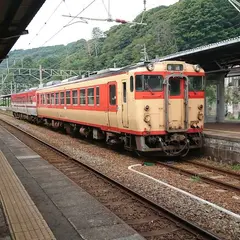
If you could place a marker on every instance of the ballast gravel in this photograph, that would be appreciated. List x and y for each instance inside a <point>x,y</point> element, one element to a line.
<point>115,165</point>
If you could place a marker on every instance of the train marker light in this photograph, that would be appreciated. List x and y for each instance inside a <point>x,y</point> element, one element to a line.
<point>197,68</point>
<point>150,67</point>
<point>146,108</point>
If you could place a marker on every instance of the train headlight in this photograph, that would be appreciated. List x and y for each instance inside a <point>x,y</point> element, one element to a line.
<point>197,68</point>
<point>147,118</point>
<point>200,107</point>
<point>150,67</point>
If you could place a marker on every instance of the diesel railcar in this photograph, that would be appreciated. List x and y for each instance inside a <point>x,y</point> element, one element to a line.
<point>152,107</point>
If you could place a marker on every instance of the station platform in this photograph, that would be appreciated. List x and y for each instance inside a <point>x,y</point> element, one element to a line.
<point>40,202</point>
<point>228,129</point>
<point>222,141</point>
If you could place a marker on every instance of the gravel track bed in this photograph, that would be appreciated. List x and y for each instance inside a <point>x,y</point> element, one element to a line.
<point>227,199</point>
<point>115,165</point>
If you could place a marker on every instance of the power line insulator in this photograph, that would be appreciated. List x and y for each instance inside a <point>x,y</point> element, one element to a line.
<point>121,21</point>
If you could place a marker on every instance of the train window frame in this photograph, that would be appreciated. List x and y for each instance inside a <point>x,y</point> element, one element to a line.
<point>52,99</point>
<point>57,98</point>
<point>112,94</point>
<point>68,97</point>
<point>131,84</point>
<point>124,91</point>
<point>74,98</point>
<point>41,98</point>
<point>97,95</point>
<point>191,87</point>
<point>82,97</point>
<point>146,87</point>
<point>92,97</point>
<point>176,93</point>
<point>48,98</point>
<point>62,98</point>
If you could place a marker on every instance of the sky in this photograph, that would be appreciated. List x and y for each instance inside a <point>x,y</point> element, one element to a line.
<point>123,9</point>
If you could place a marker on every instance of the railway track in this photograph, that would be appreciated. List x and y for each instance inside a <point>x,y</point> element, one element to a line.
<point>225,179</point>
<point>148,218</point>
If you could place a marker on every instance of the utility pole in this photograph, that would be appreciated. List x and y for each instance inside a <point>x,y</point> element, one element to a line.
<point>40,75</point>
<point>144,51</point>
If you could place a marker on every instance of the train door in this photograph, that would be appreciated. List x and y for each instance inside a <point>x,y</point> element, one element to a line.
<point>176,103</point>
<point>125,121</point>
<point>112,104</point>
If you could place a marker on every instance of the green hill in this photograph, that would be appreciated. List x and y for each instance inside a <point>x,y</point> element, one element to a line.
<point>184,25</point>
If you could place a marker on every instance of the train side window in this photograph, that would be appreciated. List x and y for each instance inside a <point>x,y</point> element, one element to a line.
<point>82,97</point>
<point>90,94</point>
<point>97,96</point>
<point>131,84</point>
<point>139,83</point>
<point>124,85</point>
<point>48,98</point>
<point>45,99</point>
<point>52,98</point>
<point>74,97</point>
<point>68,97</point>
<point>112,94</point>
<point>62,98</point>
<point>57,98</point>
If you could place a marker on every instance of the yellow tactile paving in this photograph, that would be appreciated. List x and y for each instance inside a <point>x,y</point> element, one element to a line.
<point>24,219</point>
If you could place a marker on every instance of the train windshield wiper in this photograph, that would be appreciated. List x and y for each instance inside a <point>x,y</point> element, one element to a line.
<point>147,87</point>
<point>192,87</point>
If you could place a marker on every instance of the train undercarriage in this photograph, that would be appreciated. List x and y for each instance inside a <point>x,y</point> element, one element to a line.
<point>171,144</point>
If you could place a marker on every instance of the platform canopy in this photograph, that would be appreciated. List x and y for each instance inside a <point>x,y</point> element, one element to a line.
<point>216,57</point>
<point>15,15</point>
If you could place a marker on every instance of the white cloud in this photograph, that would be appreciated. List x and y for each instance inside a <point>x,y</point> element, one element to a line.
<point>124,9</point>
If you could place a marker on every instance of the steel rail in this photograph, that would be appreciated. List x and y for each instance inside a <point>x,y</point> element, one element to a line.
<point>204,178</point>
<point>183,223</point>
<point>223,171</point>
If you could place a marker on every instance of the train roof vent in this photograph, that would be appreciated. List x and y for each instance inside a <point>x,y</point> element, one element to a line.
<point>108,70</point>
<point>52,83</point>
<point>70,79</point>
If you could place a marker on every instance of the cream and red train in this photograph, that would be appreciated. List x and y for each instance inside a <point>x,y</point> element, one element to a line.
<point>148,107</point>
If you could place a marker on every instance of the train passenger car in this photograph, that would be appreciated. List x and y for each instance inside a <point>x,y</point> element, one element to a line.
<point>148,107</point>
<point>24,105</point>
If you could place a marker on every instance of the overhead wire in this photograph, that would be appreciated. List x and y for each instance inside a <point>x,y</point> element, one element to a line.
<point>107,10</point>
<point>46,22</point>
<point>73,18</point>
<point>66,6</point>
<point>235,4</point>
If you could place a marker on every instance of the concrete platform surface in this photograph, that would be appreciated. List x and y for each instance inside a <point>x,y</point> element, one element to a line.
<point>222,142</point>
<point>69,211</point>
<point>227,131</point>
<point>24,219</point>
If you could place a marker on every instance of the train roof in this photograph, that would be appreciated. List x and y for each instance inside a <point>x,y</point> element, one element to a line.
<point>97,74</point>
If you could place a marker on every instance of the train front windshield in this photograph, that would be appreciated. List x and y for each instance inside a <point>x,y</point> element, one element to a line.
<point>196,83</point>
<point>149,82</point>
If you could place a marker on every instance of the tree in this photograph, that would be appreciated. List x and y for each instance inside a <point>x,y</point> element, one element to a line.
<point>97,35</point>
